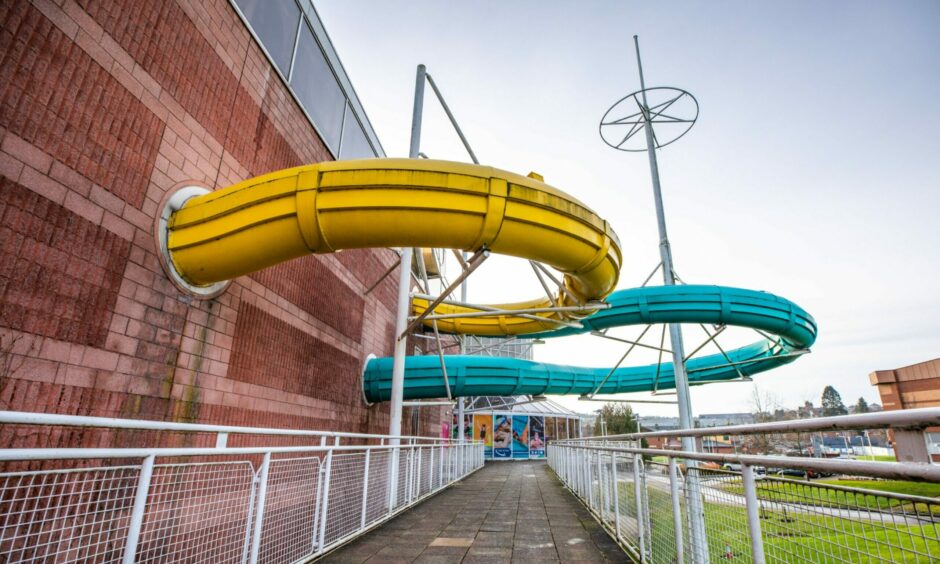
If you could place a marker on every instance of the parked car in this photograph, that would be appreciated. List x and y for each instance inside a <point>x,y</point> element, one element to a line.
<point>735,467</point>
<point>802,473</point>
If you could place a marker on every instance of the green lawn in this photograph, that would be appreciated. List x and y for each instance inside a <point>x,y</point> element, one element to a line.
<point>877,458</point>
<point>923,489</point>
<point>796,491</point>
<point>793,536</point>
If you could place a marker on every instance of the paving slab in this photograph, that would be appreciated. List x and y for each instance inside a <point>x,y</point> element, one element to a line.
<point>505,512</point>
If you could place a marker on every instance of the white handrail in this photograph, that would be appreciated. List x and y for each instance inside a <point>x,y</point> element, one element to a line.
<point>28,418</point>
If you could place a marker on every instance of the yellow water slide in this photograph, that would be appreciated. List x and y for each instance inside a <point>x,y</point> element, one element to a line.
<point>332,206</point>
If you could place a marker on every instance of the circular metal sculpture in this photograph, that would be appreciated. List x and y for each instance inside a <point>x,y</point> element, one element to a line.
<point>670,113</point>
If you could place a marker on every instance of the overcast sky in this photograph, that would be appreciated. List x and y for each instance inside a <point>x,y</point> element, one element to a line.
<point>813,172</point>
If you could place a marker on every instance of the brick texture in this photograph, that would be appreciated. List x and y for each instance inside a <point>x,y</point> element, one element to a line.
<point>60,273</point>
<point>55,96</point>
<point>166,44</point>
<point>303,364</point>
<point>308,283</point>
<point>103,108</point>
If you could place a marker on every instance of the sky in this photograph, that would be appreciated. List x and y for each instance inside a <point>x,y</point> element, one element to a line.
<point>813,171</point>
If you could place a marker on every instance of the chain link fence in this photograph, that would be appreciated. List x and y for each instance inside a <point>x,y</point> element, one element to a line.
<point>751,508</point>
<point>220,504</point>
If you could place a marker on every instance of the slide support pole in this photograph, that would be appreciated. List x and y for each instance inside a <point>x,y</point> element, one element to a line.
<point>404,301</point>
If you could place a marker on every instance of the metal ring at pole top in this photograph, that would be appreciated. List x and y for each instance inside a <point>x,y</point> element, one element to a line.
<point>669,110</point>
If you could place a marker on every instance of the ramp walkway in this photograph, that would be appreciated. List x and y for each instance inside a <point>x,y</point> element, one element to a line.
<point>505,512</point>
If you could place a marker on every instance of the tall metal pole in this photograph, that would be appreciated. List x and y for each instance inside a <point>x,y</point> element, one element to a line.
<point>463,350</point>
<point>404,301</point>
<point>696,515</point>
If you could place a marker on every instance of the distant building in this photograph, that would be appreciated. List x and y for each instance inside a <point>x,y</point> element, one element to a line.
<point>909,387</point>
<point>722,419</point>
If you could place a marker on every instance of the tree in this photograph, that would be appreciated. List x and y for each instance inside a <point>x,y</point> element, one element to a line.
<point>619,418</point>
<point>861,406</point>
<point>764,403</point>
<point>832,403</point>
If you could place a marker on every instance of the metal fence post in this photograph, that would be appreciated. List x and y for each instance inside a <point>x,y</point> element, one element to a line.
<point>316,507</point>
<point>259,507</point>
<point>325,507</point>
<point>640,517</point>
<point>676,508</point>
<point>602,497</point>
<point>365,490</point>
<point>410,482</point>
<point>417,482</point>
<point>753,514</point>
<point>615,492</point>
<point>137,513</point>
<point>393,478</point>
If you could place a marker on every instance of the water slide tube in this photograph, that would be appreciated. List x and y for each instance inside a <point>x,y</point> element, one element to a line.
<point>792,330</point>
<point>338,205</point>
<point>328,207</point>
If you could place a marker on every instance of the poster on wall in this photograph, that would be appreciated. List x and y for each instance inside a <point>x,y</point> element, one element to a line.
<point>483,431</point>
<point>520,436</point>
<point>536,436</point>
<point>468,426</point>
<point>502,436</point>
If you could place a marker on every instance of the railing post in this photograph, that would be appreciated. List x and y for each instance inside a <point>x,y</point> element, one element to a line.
<point>365,490</point>
<point>316,507</point>
<point>137,513</point>
<point>640,517</point>
<point>753,514</point>
<point>602,500</point>
<point>417,482</point>
<point>589,477</point>
<point>410,482</point>
<point>431,487</point>
<point>259,507</point>
<point>676,508</point>
<point>325,507</point>
<point>616,493</point>
<point>393,472</point>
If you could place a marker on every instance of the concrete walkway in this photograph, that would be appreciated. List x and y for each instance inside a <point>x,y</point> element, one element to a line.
<point>505,512</point>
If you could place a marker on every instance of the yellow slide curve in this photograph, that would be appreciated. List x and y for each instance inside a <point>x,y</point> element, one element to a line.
<point>338,205</point>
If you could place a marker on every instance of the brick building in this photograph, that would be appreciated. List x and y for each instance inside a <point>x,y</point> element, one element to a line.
<point>103,110</point>
<point>909,387</point>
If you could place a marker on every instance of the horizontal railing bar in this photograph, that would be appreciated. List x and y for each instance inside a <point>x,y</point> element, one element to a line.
<point>7,455</point>
<point>28,418</point>
<point>919,472</point>
<point>919,418</point>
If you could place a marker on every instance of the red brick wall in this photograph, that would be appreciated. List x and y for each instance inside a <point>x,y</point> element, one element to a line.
<point>103,109</point>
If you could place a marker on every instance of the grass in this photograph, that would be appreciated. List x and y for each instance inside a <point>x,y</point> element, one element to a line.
<point>923,489</point>
<point>814,538</point>
<point>877,457</point>
<point>798,492</point>
<point>790,535</point>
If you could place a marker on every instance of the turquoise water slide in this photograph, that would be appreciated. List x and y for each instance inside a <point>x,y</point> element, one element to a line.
<point>789,330</point>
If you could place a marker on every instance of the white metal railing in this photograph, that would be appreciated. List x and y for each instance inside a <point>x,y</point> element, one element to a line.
<point>747,513</point>
<point>215,503</point>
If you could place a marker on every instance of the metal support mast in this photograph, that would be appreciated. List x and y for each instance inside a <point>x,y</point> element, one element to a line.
<point>700,550</point>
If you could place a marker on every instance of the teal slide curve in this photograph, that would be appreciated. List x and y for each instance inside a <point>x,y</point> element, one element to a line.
<point>790,331</point>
